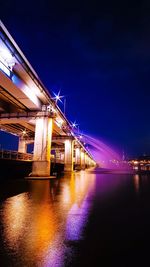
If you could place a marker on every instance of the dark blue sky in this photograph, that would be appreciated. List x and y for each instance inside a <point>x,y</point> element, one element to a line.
<point>99,55</point>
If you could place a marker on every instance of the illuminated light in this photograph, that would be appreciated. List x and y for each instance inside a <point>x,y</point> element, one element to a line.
<point>82,159</point>
<point>74,124</point>
<point>53,109</point>
<point>38,229</point>
<point>24,132</point>
<point>6,55</point>
<point>66,194</point>
<point>30,94</point>
<point>135,162</point>
<point>7,61</point>
<point>136,182</point>
<point>68,155</point>
<point>80,136</point>
<point>50,108</point>
<point>15,213</point>
<point>5,69</point>
<point>58,97</point>
<point>59,122</point>
<point>26,90</point>
<point>75,224</point>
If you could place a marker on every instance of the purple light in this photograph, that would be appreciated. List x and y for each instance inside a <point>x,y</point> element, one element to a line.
<point>76,219</point>
<point>104,155</point>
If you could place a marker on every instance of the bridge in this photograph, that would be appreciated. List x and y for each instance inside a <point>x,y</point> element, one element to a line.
<point>28,111</point>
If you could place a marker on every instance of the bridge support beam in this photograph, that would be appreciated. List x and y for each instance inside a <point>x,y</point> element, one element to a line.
<point>78,158</point>
<point>42,147</point>
<point>86,160</point>
<point>89,162</point>
<point>68,155</point>
<point>82,160</point>
<point>22,145</point>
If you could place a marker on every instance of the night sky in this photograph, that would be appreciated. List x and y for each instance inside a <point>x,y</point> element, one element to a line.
<point>98,54</point>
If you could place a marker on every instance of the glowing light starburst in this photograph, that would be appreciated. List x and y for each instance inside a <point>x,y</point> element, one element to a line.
<point>57,97</point>
<point>74,124</point>
<point>24,132</point>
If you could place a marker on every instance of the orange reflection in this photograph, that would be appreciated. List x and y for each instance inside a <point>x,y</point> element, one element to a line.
<point>37,223</point>
<point>76,188</point>
<point>136,182</point>
<point>15,213</point>
<point>43,220</point>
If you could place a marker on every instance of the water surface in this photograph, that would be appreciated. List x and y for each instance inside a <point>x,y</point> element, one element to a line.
<point>81,219</point>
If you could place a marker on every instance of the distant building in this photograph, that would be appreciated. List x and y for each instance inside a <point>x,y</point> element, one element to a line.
<point>141,163</point>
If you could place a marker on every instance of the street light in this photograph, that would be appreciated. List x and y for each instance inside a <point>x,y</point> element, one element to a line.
<point>74,124</point>
<point>58,97</point>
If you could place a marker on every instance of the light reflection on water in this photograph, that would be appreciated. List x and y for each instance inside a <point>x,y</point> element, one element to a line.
<point>136,180</point>
<point>38,224</point>
<point>45,226</point>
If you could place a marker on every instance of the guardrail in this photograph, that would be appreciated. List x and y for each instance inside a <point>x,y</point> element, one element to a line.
<point>15,155</point>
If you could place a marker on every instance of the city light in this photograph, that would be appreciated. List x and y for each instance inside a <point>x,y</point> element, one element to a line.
<point>24,132</point>
<point>58,97</point>
<point>6,56</point>
<point>74,124</point>
<point>59,122</point>
<point>4,69</point>
<point>6,61</point>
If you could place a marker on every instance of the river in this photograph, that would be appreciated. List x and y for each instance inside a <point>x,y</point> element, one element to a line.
<point>86,218</point>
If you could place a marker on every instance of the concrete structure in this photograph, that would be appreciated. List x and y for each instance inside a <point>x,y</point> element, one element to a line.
<point>78,157</point>
<point>28,111</point>
<point>69,143</point>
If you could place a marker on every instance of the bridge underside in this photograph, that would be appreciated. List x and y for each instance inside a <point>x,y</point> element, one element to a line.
<point>28,111</point>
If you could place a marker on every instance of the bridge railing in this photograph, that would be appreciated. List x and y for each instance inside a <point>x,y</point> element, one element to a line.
<point>15,155</point>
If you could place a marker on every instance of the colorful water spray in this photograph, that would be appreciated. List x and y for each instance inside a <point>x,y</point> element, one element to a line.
<point>105,156</point>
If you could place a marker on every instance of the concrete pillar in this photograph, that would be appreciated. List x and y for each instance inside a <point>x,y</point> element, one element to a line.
<point>82,160</point>
<point>59,156</point>
<point>89,163</point>
<point>22,146</point>
<point>78,158</point>
<point>68,155</point>
<point>62,157</point>
<point>86,160</point>
<point>42,147</point>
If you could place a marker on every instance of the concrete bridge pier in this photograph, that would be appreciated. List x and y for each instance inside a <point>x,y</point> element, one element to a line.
<point>89,162</point>
<point>78,158</point>
<point>69,145</point>
<point>22,145</point>
<point>42,147</point>
<point>86,161</point>
<point>82,159</point>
